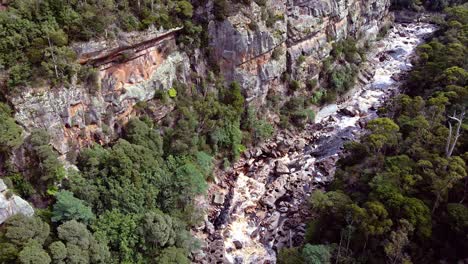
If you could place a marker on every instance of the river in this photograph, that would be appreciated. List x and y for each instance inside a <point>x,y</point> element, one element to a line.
<point>261,205</point>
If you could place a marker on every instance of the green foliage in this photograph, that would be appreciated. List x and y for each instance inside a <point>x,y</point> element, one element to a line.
<point>121,232</point>
<point>67,207</point>
<point>172,92</point>
<point>258,129</point>
<point>33,253</point>
<point>317,97</point>
<point>290,256</point>
<point>294,85</point>
<point>10,132</point>
<point>294,112</point>
<point>125,177</point>
<point>301,59</point>
<point>400,187</point>
<point>458,214</point>
<point>58,251</point>
<point>157,230</point>
<point>233,96</point>
<point>173,255</point>
<point>314,254</point>
<point>343,78</point>
<point>143,134</point>
<point>277,53</point>
<point>20,229</point>
<point>220,9</point>
<point>50,168</point>
<point>311,84</point>
<point>384,132</point>
<point>262,130</point>
<point>81,245</point>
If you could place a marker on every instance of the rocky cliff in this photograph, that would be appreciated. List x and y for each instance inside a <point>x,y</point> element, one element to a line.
<point>129,71</point>
<point>259,44</point>
<point>255,45</point>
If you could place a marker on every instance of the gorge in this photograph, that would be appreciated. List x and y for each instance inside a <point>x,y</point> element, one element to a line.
<point>233,131</point>
<point>266,195</point>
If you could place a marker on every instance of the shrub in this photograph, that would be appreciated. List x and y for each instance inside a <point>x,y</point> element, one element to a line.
<point>172,92</point>
<point>294,112</point>
<point>317,97</point>
<point>67,207</point>
<point>277,53</point>
<point>262,130</point>
<point>311,84</point>
<point>294,85</point>
<point>220,9</point>
<point>273,100</point>
<point>301,59</point>
<point>342,79</point>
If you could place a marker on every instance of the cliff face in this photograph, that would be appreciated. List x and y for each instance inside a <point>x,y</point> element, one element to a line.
<point>78,115</point>
<point>255,46</point>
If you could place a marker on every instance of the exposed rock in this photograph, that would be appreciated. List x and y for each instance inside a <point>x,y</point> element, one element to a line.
<point>77,115</point>
<point>281,168</point>
<point>3,186</point>
<point>219,198</point>
<point>349,111</point>
<point>209,227</point>
<point>11,204</point>
<point>237,244</point>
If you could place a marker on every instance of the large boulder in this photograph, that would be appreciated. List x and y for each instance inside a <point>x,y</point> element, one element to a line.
<point>11,204</point>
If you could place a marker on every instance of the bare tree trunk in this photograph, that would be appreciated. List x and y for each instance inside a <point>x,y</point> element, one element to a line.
<point>53,57</point>
<point>449,139</point>
<point>339,248</point>
<point>464,190</point>
<point>459,121</point>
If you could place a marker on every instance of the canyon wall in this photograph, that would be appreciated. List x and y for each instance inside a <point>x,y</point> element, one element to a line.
<point>259,44</point>
<point>128,73</point>
<point>254,45</point>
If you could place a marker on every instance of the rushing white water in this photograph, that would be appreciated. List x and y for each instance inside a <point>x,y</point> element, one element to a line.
<point>397,47</point>
<point>256,227</point>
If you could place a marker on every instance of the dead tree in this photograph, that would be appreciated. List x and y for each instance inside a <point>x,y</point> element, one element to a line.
<point>452,139</point>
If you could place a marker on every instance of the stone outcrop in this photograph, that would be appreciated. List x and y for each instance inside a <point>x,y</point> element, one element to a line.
<point>257,45</point>
<point>78,115</point>
<point>11,204</point>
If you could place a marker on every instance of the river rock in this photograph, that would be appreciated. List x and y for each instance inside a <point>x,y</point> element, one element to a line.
<point>237,244</point>
<point>209,227</point>
<point>349,111</point>
<point>300,144</point>
<point>219,198</point>
<point>281,168</point>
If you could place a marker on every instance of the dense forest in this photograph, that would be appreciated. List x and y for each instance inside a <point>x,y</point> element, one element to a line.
<point>133,198</point>
<point>400,194</point>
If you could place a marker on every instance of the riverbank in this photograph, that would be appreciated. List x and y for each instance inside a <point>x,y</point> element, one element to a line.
<point>260,205</point>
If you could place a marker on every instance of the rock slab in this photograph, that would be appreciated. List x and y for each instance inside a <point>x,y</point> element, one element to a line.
<point>11,204</point>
